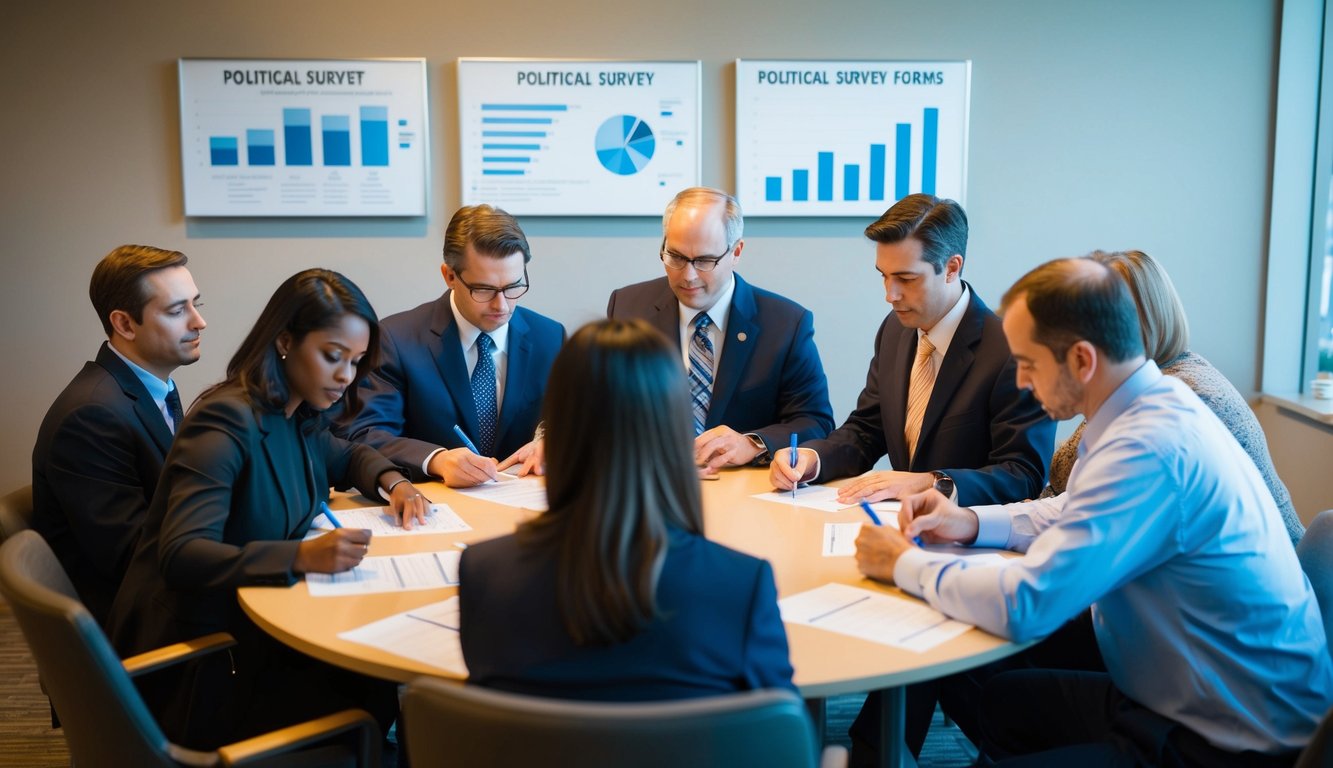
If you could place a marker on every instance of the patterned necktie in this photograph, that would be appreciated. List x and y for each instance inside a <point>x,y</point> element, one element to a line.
<point>175,409</point>
<point>918,394</point>
<point>701,371</point>
<point>483,395</point>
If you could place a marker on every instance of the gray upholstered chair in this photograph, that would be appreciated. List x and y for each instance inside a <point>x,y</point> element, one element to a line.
<point>104,718</point>
<point>476,727</point>
<point>15,512</point>
<point>1316,555</point>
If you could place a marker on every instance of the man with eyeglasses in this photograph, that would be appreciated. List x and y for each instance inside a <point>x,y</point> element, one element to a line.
<point>749,354</point>
<point>471,359</point>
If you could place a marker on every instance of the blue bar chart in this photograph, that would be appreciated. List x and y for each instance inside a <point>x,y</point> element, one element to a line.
<point>572,137</point>
<point>869,133</point>
<point>356,147</point>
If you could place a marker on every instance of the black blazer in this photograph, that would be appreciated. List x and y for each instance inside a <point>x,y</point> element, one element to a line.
<point>421,388</point>
<point>226,517</point>
<point>770,381</point>
<point>95,466</point>
<point>992,438</point>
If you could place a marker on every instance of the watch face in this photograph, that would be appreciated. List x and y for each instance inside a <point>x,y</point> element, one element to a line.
<point>944,484</point>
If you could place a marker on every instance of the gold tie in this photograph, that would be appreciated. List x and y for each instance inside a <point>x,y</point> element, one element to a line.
<point>923,380</point>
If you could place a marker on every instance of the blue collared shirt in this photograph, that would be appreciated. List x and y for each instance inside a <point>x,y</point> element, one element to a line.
<point>1200,607</point>
<point>157,388</point>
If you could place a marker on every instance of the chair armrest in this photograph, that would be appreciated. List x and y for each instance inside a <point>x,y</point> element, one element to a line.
<point>303,734</point>
<point>175,653</point>
<point>834,756</point>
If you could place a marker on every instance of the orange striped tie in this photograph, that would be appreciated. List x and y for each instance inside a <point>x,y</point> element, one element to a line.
<point>918,394</point>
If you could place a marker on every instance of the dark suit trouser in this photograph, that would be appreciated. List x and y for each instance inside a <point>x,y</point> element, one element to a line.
<point>1038,718</point>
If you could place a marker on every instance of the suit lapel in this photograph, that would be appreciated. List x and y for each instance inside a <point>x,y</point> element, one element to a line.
<point>666,315</point>
<point>448,354</point>
<point>516,393</point>
<point>895,374</point>
<point>269,424</point>
<point>742,336</point>
<point>144,407</point>
<point>953,370</point>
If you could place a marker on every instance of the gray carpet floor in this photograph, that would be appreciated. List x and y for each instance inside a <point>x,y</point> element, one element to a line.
<point>945,747</point>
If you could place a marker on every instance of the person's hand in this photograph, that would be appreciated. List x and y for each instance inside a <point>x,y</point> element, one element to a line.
<point>461,468</point>
<point>936,519</point>
<point>878,548</point>
<point>341,549</point>
<point>531,459</point>
<point>878,486</point>
<point>723,447</point>
<point>409,505</point>
<point>783,476</point>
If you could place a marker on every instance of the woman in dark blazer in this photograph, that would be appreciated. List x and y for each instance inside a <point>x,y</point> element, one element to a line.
<point>248,471</point>
<point>614,593</point>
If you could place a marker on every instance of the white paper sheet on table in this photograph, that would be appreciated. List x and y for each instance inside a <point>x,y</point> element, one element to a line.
<point>886,619</point>
<point>825,499</point>
<point>523,492</point>
<point>840,539</point>
<point>440,518</point>
<point>428,635</point>
<point>426,570</point>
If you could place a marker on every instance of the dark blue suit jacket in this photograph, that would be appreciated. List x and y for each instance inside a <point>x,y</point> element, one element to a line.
<point>720,630</point>
<point>94,470</point>
<point>770,381</point>
<point>992,438</point>
<point>421,388</point>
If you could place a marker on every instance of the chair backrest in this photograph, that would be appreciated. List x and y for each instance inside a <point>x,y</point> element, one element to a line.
<point>1319,752</point>
<point>1315,551</point>
<point>105,720</point>
<point>15,512</point>
<point>466,725</point>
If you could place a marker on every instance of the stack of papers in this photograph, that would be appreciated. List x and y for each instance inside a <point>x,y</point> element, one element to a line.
<point>428,635</point>
<point>874,616</point>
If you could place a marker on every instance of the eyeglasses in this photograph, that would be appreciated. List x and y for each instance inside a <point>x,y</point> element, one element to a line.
<point>700,263</point>
<point>485,293</point>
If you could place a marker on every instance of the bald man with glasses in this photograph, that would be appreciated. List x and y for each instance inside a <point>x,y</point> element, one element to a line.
<point>467,370</point>
<point>749,355</point>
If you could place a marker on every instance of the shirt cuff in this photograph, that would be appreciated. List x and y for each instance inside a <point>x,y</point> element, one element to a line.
<point>425,465</point>
<point>911,570</point>
<point>993,526</point>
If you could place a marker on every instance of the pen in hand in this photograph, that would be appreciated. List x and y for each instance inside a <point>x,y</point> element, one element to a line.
<point>797,481</point>
<point>328,513</point>
<point>874,518</point>
<point>466,442</point>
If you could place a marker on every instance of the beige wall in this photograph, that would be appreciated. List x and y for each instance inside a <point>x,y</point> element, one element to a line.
<point>1141,123</point>
<point>1301,451</point>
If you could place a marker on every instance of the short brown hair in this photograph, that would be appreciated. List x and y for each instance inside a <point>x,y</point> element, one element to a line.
<point>118,284</point>
<point>1166,331</point>
<point>940,225</point>
<point>490,231</point>
<point>1074,300</point>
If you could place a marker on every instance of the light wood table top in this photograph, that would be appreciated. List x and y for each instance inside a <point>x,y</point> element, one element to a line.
<point>790,538</point>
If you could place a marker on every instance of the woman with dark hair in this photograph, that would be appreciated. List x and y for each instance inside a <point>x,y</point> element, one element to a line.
<point>249,469</point>
<point>614,593</point>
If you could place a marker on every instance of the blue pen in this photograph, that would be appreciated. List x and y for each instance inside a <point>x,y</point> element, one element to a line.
<point>462,436</point>
<point>793,464</point>
<point>324,507</point>
<point>874,518</point>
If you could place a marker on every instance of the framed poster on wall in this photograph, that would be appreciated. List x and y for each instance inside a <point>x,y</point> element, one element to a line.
<point>560,137</point>
<point>848,138</point>
<point>304,137</point>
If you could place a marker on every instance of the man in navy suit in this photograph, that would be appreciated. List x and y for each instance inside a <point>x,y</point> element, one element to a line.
<point>941,400</point>
<point>471,359</point>
<point>750,354</point>
<point>101,446</point>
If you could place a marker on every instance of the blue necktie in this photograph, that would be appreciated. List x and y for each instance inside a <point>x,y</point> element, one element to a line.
<point>701,371</point>
<point>175,409</point>
<point>483,395</point>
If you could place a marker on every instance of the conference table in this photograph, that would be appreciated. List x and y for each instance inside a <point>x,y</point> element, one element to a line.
<point>788,536</point>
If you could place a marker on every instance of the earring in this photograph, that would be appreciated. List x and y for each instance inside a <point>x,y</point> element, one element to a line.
<point>283,356</point>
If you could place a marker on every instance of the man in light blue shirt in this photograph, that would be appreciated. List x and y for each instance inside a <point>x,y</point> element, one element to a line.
<point>1212,637</point>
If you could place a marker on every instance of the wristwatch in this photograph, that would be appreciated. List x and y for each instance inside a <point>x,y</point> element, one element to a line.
<point>763,457</point>
<point>943,483</point>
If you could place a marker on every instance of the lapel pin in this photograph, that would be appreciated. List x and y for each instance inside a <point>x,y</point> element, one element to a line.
<point>741,336</point>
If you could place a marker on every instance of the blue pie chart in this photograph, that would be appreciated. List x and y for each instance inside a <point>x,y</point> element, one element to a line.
<point>625,144</point>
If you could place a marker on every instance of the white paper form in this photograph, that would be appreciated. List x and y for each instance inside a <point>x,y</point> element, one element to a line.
<point>428,635</point>
<point>825,499</point>
<point>523,492</point>
<point>426,570</point>
<point>381,521</point>
<point>840,539</point>
<point>873,616</point>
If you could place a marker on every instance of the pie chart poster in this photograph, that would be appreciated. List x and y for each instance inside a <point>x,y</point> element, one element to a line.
<point>547,137</point>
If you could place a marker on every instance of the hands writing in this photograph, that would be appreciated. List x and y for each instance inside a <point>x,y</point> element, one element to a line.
<point>461,468</point>
<point>928,515</point>
<point>783,476</point>
<point>336,551</point>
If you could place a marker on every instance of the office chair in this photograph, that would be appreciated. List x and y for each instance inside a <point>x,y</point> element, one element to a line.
<point>1315,552</point>
<point>105,720</point>
<point>467,725</point>
<point>1319,752</point>
<point>15,512</point>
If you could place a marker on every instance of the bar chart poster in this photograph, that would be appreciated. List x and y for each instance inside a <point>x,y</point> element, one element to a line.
<point>848,138</point>
<point>286,137</point>
<point>548,137</point>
